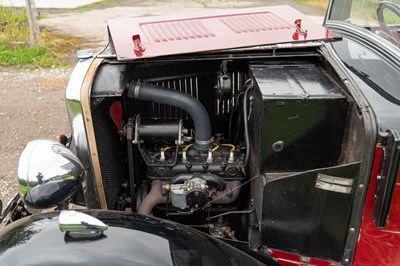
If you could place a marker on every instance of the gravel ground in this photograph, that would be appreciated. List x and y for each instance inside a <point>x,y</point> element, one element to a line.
<point>32,102</point>
<point>32,106</point>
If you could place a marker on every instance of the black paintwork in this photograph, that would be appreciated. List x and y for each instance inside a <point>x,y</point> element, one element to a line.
<point>305,111</point>
<point>131,239</point>
<point>299,217</point>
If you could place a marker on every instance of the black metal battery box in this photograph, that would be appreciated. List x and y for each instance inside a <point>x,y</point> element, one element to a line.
<point>303,118</point>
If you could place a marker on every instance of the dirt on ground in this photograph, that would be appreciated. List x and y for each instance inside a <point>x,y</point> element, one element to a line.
<point>32,104</point>
<point>31,107</point>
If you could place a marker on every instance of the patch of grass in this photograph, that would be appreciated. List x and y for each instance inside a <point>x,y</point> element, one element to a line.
<point>15,51</point>
<point>390,17</point>
<point>14,26</point>
<point>12,15</point>
<point>55,51</point>
<point>101,4</point>
<point>205,3</point>
<point>322,4</point>
<point>62,48</point>
<point>366,10</point>
<point>92,5</point>
<point>96,5</point>
<point>24,56</point>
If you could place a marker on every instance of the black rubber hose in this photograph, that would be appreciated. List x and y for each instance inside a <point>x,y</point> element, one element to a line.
<point>246,126</point>
<point>147,92</point>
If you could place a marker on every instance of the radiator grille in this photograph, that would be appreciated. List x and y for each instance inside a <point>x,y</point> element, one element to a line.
<point>110,151</point>
<point>189,85</point>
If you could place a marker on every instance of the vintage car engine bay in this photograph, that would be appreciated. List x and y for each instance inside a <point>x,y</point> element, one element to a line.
<point>243,124</point>
<point>234,147</point>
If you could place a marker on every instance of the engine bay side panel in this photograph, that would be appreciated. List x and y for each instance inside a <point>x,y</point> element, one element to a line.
<point>303,215</point>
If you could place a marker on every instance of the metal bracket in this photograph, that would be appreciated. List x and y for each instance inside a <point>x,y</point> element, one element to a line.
<point>334,183</point>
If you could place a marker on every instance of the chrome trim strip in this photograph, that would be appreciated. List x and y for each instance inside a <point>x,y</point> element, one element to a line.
<point>73,91</point>
<point>87,114</point>
<point>334,183</point>
<point>79,142</point>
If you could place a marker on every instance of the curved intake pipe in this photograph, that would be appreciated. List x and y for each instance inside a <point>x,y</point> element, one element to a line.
<point>154,197</point>
<point>147,92</point>
<point>229,194</point>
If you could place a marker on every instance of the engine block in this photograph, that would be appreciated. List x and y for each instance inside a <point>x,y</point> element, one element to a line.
<point>220,162</point>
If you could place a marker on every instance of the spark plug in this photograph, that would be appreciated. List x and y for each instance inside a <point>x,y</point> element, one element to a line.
<point>162,155</point>
<point>231,158</point>
<point>210,157</point>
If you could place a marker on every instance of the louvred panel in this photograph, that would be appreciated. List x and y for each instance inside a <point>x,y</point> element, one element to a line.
<point>161,36</point>
<point>176,31</point>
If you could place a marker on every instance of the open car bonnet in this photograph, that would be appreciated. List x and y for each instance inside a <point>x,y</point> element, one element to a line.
<point>148,37</point>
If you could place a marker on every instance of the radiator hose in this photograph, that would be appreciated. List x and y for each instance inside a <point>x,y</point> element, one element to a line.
<point>147,92</point>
